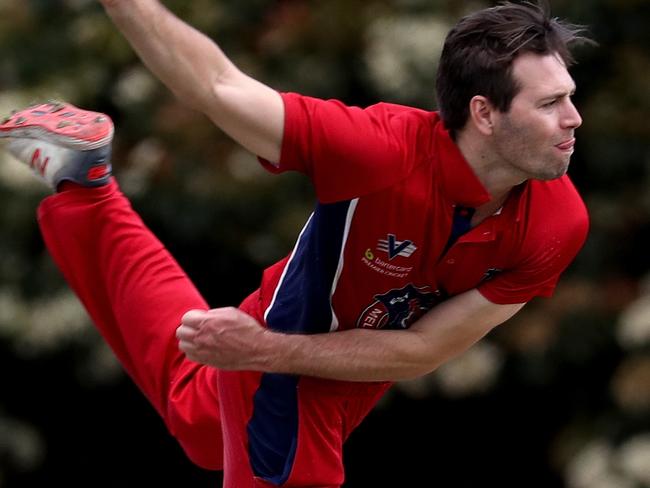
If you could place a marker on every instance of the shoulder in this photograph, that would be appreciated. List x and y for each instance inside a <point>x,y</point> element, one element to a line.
<point>403,114</point>
<point>404,110</point>
<point>298,104</point>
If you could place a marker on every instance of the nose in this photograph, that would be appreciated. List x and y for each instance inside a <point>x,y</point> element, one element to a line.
<point>571,117</point>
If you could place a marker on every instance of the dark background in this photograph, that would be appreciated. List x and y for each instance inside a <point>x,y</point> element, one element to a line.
<point>557,397</point>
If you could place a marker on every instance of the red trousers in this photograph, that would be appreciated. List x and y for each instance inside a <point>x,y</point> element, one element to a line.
<point>136,294</point>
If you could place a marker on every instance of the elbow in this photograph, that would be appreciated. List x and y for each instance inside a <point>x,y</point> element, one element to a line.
<point>206,93</point>
<point>218,92</point>
<point>422,358</point>
<point>416,365</point>
<point>418,369</point>
<point>191,97</point>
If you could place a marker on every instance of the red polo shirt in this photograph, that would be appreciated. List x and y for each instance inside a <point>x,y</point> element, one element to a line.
<point>373,254</point>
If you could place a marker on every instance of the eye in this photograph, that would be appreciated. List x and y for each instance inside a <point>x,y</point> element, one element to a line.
<point>550,103</point>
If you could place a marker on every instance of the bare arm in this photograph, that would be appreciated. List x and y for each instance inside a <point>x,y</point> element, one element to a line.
<point>199,73</point>
<point>230,339</point>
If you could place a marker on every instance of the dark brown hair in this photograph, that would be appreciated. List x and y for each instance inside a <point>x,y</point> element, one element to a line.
<point>478,53</point>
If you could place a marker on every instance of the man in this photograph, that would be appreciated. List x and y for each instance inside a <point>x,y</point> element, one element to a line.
<point>430,229</point>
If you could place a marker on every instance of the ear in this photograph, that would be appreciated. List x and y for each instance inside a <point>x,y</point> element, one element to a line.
<point>481,114</point>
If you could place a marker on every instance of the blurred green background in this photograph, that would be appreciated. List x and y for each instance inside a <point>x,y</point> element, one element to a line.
<point>558,397</point>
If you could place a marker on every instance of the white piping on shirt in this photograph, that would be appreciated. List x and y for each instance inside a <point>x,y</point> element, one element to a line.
<point>348,222</point>
<point>286,268</point>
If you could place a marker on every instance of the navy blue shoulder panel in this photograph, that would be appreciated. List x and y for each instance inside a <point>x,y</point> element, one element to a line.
<point>303,300</point>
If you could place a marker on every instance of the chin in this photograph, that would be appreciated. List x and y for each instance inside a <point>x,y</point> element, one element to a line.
<point>553,171</point>
<point>547,176</point>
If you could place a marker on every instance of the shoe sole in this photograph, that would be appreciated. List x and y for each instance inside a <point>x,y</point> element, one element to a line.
<point>62,124</point>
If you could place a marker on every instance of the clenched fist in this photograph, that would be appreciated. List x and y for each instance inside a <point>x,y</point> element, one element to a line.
<point>226,338</point>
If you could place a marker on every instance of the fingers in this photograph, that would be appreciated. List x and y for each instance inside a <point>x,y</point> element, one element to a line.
<point>185,333</point>
<point>193,318</point>
<point>185,336</point>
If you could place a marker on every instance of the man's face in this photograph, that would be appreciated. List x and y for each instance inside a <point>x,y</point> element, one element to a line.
<point>535,138</point>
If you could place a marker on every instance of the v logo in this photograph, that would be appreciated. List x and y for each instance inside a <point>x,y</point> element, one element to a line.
<point>396,248</point>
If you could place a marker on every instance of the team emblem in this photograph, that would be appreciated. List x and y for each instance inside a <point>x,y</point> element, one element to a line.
<point>396,248</point>
<point>399,308</point>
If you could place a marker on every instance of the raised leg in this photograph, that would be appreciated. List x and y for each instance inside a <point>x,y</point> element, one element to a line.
<point>133,289</point>
<point>136,294</point>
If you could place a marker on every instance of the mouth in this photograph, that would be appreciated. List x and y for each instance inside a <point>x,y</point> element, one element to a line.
<point>567,146</point>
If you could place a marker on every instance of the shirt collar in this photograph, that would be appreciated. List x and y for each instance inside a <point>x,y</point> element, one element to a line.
<point>520,195</point>
<point>460,183</point>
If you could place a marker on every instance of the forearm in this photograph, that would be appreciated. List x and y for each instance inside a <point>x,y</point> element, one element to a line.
<point>184,59</point>
<point>376,355</point>
<point>200,75</point>
<point>230,339</point>
<point>352,355</point>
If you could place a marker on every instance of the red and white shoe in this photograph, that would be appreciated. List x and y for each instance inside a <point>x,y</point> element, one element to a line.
<point>61,142</point>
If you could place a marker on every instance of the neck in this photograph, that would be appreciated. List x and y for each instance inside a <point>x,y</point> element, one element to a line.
<point>497,177</point>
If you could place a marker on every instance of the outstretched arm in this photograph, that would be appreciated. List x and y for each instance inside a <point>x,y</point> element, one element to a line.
<point>199,73</point>
<point>230,339</point>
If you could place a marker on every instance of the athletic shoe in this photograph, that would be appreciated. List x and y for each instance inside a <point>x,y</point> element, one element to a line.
<point>61,142</point>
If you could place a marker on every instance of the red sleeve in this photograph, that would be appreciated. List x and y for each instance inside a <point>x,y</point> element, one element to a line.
<point>348,151</point>
<point>555,234</point>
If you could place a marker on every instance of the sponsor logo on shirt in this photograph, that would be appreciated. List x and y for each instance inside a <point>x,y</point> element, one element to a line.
<point>384,267</point>
<point>396,248</point>
<point>399,308</point>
